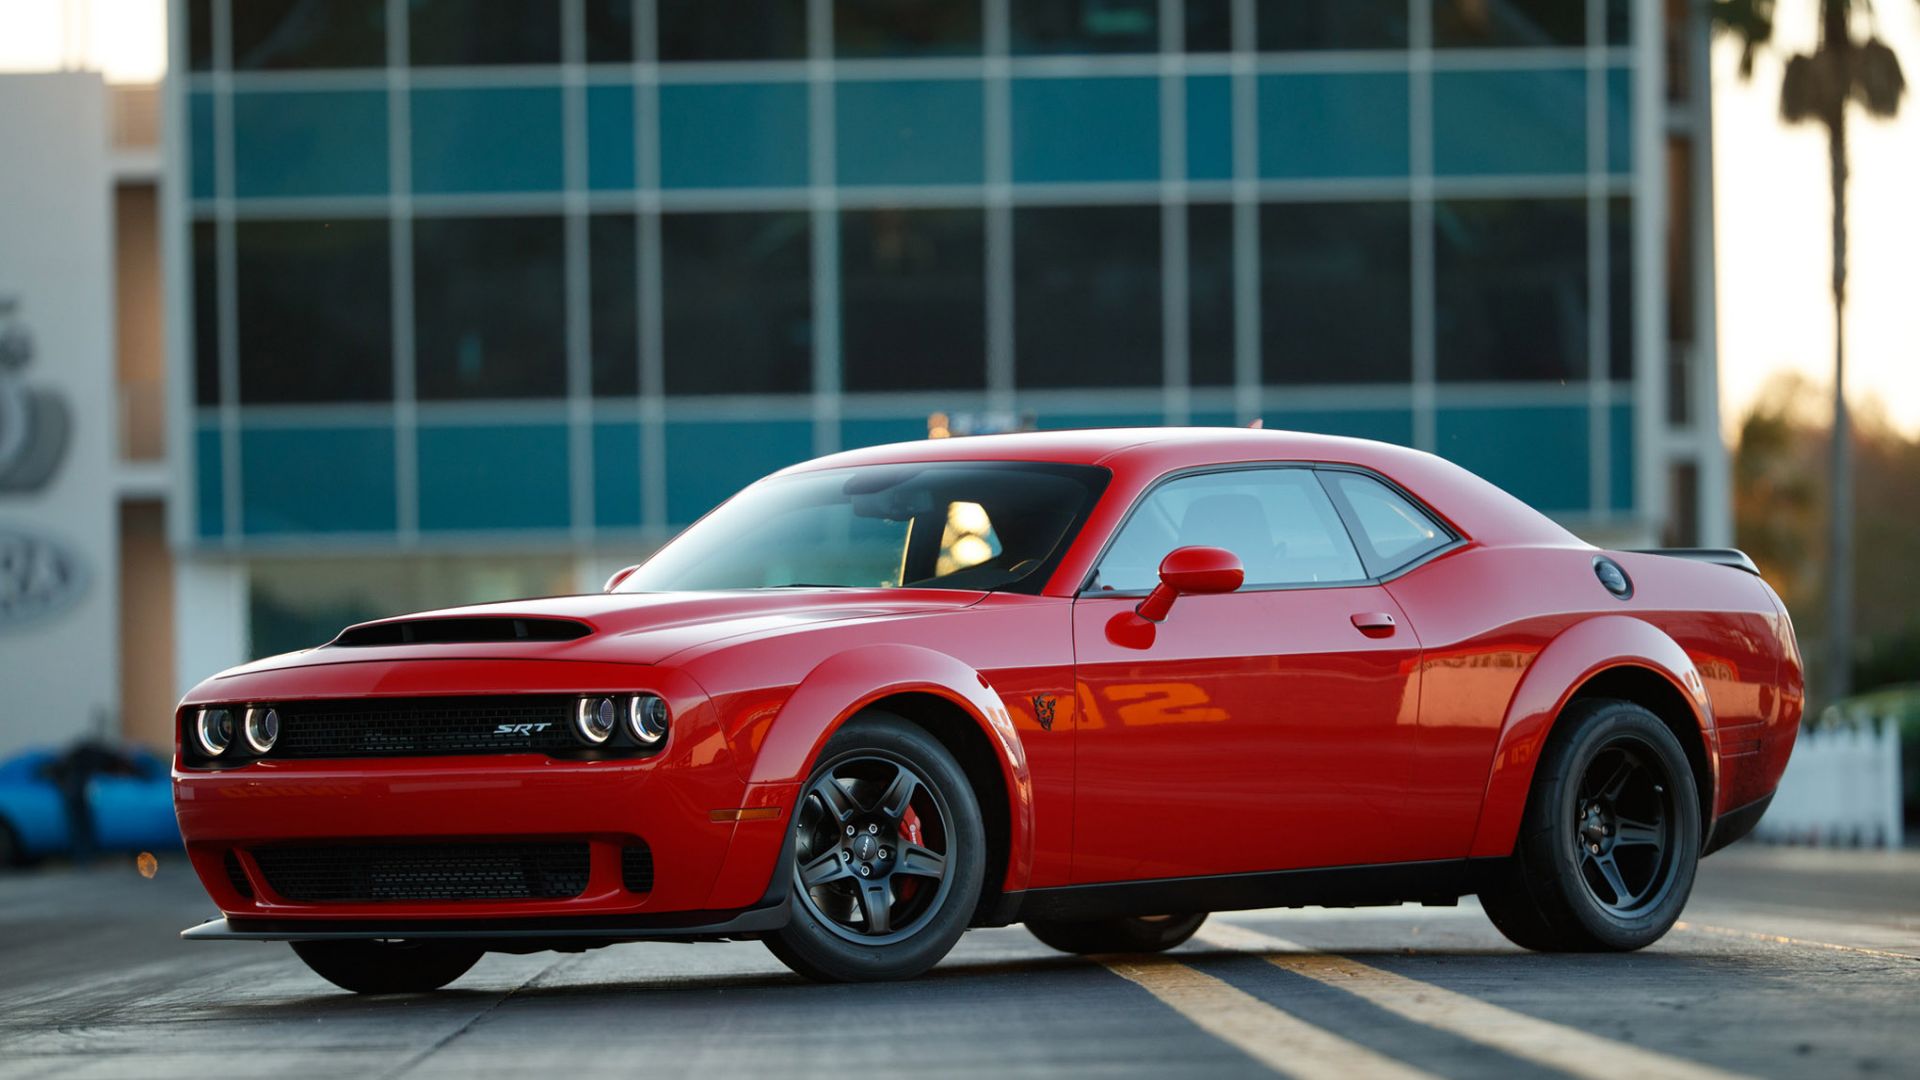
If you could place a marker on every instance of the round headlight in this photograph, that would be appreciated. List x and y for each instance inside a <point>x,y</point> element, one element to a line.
<point>595,719</point>
<point>647,718</point>
<point>213,731</point>
<point>263,727</point>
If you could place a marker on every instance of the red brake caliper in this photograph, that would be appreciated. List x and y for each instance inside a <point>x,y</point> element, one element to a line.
<point>909,834</point>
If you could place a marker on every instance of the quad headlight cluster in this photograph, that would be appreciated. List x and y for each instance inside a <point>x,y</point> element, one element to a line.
<point>640,718</point>
<point>220,731</point>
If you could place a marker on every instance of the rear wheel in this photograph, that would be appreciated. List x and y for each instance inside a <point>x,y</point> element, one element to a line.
<point>889,854</point>
<point>1608,847</point>
<point>388,967</point>
<point>1131,934</point>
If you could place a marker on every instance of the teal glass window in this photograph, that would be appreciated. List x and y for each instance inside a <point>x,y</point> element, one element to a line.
<point>716,343</point>
<point>294,34</point>
<point>610,138</point>
<point>726,135</point>
<point>1510,289</point>
<point>616,474</point>
<point>1067,130</point>
<point>1510,122</point>
<point>913,299</point>
<point>1336,292</point>
<point>1620,456</point>
<point>1084,26</point>
<point>1317,124</point>
<point>877,431</point>
<point>206,313</point>
<point>909,132</point>
<point>1209,127</point>
<point>732,29</point>
<point>314,304</point>
<point>1210,318</point>
<point>614,276</point>
<point>1477,24</point>
<point>294,143</point>
<point>489,301</point>
<point>709,460</point>
<point>869,28</point>
<point>487,139</point>
<point>1383,425</point>
<point>1539,455</point>
<point>209,483</point>
<point>201,152</point>
<point>1086,307</point>
<point>317,480</point>
<point>1291,25</point>
<point>494,476</point>
<point>1619,120</point>
<point>459,32</point>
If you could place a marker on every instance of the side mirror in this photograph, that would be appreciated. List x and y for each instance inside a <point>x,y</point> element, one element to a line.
<point>1196,570</point>
<point>618,577</point>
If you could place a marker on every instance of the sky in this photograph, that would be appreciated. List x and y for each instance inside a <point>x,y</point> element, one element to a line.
<point>1772,208</point>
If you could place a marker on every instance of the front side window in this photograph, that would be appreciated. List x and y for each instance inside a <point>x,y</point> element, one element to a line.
<point>1393,531</point>
<point>1278,521</point>
<point>981,525</point>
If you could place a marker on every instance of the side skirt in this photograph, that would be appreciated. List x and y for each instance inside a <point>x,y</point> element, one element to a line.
<point>1438,883</point>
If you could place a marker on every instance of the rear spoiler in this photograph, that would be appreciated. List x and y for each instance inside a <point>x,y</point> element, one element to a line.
<point>1722,556</point>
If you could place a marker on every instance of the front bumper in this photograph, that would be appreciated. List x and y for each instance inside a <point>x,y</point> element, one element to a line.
<point>519,934</point>
<point>700,864</point>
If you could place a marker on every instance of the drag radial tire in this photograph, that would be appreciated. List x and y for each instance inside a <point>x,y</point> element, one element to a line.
<point>887,859</point>
<point>1131,934</point>
<point>1610,838</point>
<point>388,967</point>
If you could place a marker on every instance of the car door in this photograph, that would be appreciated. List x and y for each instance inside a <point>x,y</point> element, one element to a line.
<point>1269,728</point>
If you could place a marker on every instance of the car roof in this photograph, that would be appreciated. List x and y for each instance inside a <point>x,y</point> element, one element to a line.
<point>1138,455</point>
<point>1100,446</point>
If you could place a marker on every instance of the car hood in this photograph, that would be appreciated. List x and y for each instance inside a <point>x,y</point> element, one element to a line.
<point>633,628</point>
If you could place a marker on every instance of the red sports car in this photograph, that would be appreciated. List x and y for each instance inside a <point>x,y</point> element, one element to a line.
<point>1098,682</point>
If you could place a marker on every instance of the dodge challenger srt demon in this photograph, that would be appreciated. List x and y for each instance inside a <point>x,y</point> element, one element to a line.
<point>1097,682</point>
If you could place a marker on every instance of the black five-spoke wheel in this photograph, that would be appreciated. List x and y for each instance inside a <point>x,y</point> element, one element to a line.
<point>871,861</point>
<point>888,855</point>
<point>1623,826</point>
<point>1610,837</point>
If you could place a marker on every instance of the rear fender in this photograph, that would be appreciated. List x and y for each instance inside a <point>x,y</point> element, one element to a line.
<point>1578,654</point>
<point>844,684</point>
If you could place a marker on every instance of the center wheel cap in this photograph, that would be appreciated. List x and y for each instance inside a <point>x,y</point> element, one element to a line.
<point>866,847</point>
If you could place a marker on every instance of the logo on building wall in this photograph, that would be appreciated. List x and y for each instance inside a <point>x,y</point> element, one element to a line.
<point>35,425</point>
<point>39,577</point>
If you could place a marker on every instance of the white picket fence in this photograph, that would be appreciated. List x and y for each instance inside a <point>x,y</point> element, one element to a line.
<point>1841,789</point>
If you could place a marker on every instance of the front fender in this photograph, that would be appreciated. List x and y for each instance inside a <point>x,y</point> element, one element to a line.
<point>1568,661</point>
<point>847,682</point>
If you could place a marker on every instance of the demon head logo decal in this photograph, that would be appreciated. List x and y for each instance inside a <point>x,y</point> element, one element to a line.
<point>1043,710</point>
<point>34,424</point>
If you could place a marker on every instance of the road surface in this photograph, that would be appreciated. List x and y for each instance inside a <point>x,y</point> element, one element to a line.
<point>1788,963</point>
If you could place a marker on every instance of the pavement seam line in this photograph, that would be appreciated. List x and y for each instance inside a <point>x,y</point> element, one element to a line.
<point>1556,1046</point>
<point>414,1062</point>
<point>1782,939</point>
<point>1272,1036</point>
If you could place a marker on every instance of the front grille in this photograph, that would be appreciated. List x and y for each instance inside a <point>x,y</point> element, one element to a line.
<point>636,867</point>
<point>399,727</point>
<point>347,873</point>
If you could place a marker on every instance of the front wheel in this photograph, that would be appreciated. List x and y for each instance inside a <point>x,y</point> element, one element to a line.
<point>1131,934</point>
<point>888,856</point>
<point>1610,838</point>
<point>388,967</point>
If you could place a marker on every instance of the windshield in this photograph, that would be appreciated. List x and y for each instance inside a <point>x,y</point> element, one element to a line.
<point>976,525</point>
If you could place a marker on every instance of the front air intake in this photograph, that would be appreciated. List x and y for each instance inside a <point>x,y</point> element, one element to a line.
<point>361,873</point>
<point>455,631</point>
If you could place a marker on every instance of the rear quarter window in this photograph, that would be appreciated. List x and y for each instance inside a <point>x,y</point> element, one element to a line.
<point>1393,530</point>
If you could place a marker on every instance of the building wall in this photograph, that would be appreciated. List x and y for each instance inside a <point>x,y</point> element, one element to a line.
<point>553,283</point>
<point>58,569</point>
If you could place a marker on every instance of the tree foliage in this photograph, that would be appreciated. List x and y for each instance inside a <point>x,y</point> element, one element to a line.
<point>1779,498</point>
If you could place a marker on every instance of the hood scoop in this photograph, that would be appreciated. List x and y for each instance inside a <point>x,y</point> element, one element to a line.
<point>461,630</point>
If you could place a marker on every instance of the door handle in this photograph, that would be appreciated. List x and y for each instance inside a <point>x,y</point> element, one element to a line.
<point>1374,623</point>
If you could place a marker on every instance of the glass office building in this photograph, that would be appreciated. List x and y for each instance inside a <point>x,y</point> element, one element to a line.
<point>520,287</point>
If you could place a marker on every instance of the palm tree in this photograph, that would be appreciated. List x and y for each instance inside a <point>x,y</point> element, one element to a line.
<point>1818,88</point>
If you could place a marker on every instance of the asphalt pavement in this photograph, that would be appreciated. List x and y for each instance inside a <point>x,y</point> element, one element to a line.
<point>1788,963</point>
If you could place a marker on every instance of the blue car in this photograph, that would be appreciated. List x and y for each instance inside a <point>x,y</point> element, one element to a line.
<point>125,798</point>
